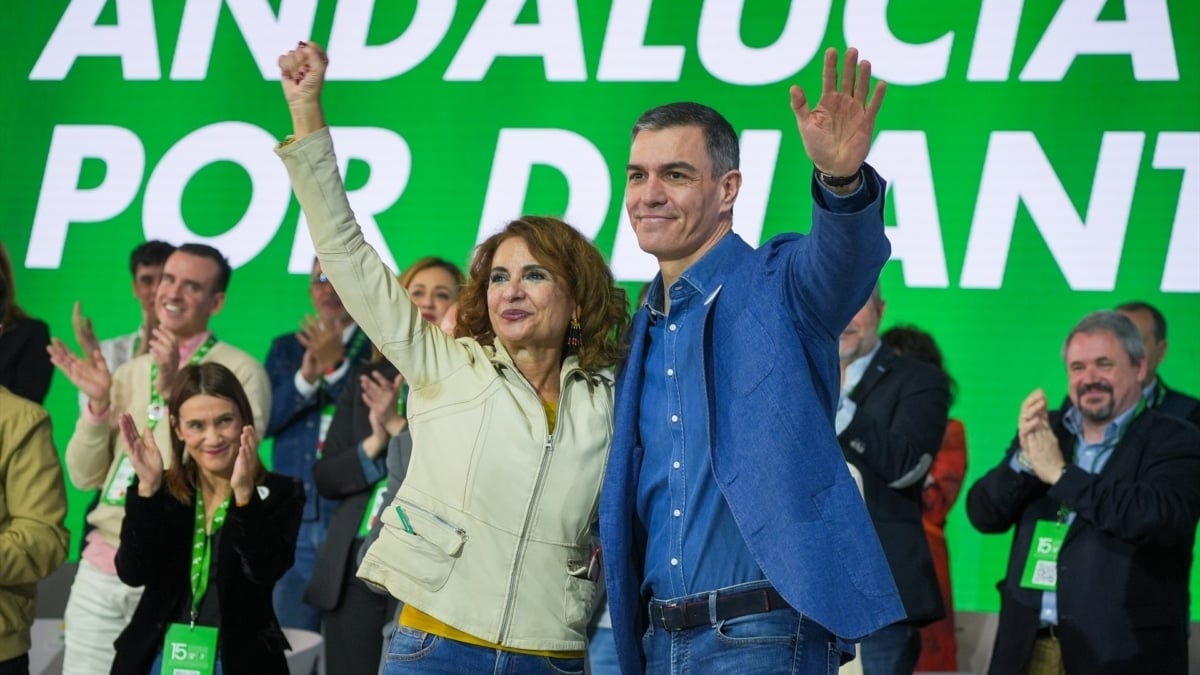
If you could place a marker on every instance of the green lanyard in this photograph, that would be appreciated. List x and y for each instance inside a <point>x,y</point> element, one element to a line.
<point>356,345</point>
<point>154,411</point>
<point>202,550</point>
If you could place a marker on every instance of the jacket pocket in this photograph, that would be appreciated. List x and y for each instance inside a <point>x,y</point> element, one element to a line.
<point>578,598</point>
<point>426,554</point>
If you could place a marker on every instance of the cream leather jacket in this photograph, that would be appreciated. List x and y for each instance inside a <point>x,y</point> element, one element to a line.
<point>499,508</point>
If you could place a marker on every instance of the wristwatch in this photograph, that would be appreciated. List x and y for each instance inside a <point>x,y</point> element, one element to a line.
<point>836,181</point>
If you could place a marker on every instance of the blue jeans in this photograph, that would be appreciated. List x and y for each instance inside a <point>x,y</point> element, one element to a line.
<point>891,650</point>
<point>779,641</point>
<point>288,597</point>
<point>602,653</point>
<point>156,667</point>
<point>415,651</point>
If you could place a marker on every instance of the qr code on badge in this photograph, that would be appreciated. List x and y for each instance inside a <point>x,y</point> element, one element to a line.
<point>1045,573</point>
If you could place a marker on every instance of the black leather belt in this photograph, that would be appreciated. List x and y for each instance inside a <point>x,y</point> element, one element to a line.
<point>681,616</point>
<point>1050,632</point>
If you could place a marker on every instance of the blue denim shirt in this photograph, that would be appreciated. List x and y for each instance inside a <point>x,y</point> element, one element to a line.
<point>693,542</point>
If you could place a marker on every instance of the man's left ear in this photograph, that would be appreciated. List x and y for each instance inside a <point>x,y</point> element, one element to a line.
<point>731,184</point>
<point>218,303</point>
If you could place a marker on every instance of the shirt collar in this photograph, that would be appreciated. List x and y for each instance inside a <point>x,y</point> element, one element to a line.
<point>1073,421</point>
<point>1150,393</point>
<point>189,346</point>
<point>348,332</point>
<point>705,274</point>
<point>702,276</point>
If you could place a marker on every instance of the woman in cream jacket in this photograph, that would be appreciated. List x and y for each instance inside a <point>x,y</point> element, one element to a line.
<point>488,540</point>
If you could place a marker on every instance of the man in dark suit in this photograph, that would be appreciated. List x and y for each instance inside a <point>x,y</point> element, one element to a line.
<point>890,422</point>
<point>1153,326</point>
<point>1109,490</point>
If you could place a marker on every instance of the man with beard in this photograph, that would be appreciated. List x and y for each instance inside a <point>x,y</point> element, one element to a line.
<point>1105,497</point>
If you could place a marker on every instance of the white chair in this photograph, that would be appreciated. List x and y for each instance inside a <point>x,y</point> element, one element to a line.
<point>306,649</point>
<point>46,652</point>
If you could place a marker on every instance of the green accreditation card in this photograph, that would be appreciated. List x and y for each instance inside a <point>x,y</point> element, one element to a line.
<point>118,485</point>
<point>1041,568</point>
<point>323,428</point>
<point>189,650</point>
<point>374,508</point>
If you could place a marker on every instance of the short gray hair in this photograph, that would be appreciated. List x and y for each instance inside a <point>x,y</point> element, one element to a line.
<point>1116,323</point>
<point>720,140</point>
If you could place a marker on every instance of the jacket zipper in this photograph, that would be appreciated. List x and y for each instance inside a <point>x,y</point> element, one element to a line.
<point>522,543</point>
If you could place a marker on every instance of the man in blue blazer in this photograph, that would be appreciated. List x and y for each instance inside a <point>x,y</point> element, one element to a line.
<point>734,538</point>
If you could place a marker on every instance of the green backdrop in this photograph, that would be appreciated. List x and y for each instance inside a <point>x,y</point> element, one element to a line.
<point>1044,157</point>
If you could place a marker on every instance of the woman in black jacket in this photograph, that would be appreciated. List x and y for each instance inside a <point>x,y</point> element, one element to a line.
<point>208,537</point>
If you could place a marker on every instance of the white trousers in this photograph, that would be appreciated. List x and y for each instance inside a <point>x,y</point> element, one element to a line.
<point>98,609</point>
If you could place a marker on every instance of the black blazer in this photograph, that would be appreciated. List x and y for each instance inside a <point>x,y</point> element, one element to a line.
<point>894,436</point>
<point>338,475</point>
<point>1178,404</point>
<point>255,547</point>
<point>1123,567</point>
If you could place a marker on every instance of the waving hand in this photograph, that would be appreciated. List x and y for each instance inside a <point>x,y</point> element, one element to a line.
<point>837,132</point>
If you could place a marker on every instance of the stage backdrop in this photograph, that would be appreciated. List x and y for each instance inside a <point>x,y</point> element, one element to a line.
<point>1043,158</point>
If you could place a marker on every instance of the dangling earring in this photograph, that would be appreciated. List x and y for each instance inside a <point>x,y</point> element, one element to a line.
<point>574,335</point>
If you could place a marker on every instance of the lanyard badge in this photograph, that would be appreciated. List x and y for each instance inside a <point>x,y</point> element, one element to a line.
<point>1041,567</point>
<point>189,649</point>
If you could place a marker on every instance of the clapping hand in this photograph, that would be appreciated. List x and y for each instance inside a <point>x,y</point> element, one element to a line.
<point>143,455</point>
<point>323,346</point>
<point>837,132</point>
<point>89,375</point>
<point>85,335</point>
<point>164,348</point>
<point>245,466</point>
<point>381,396</point>
<point>1039,446</point>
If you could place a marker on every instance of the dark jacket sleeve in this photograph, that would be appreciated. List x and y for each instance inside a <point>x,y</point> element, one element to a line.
<point>286,403</point>
<point>996,501</point>
<point>338,472</point>
<point>263,532</point>
<point>1163,504</point>
<point>151,528</point>
<point>897,434</point>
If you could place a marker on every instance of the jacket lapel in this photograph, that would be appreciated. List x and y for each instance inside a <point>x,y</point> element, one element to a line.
<point>876,370</point>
